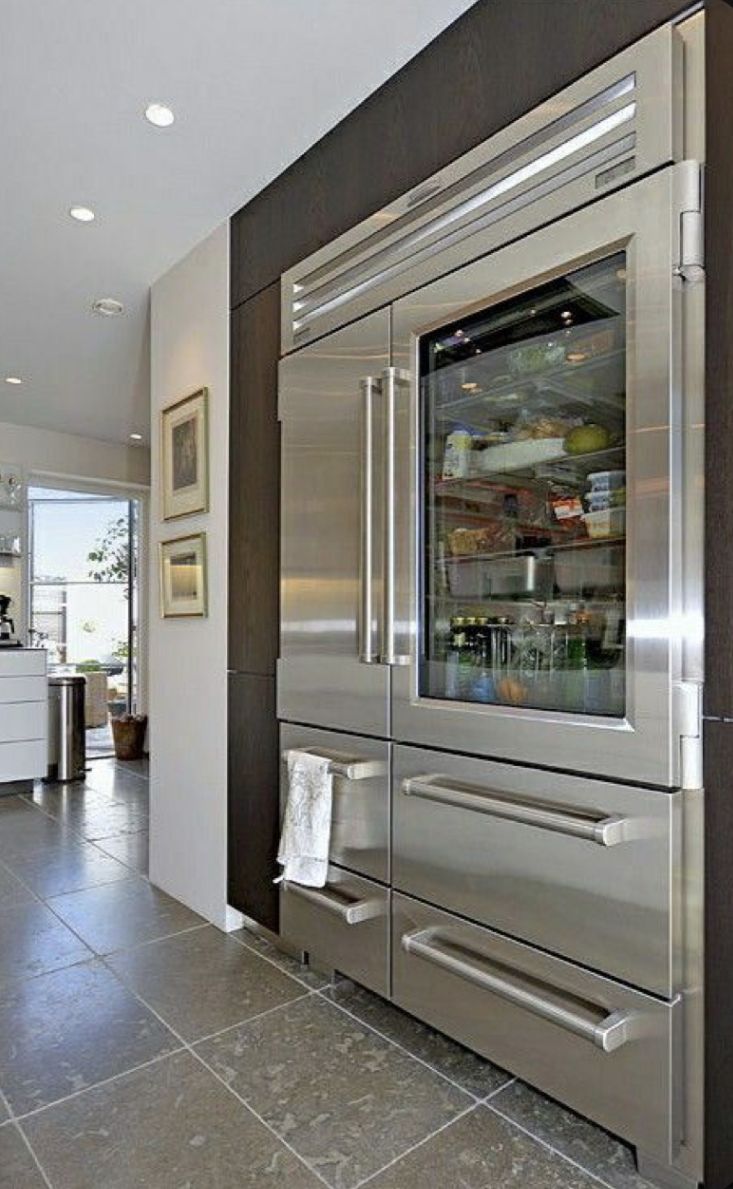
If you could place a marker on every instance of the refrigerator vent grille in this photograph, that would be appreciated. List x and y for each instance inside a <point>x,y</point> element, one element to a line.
<point>592,137</point>
<point>608,128</point>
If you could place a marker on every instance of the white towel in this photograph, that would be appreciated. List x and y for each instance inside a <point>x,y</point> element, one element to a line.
<point>306,831</point>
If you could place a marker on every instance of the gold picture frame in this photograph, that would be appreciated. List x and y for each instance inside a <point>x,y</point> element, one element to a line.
<point>184,456</point>
<point>183,577</point>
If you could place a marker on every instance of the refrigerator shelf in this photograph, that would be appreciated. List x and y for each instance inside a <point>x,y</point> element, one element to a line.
<point>570,468</point>
<point>573,381</point>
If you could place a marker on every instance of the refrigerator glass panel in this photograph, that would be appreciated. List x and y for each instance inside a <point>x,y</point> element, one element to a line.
<point>523,586</point>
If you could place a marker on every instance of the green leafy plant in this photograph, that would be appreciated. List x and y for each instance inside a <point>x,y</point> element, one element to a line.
<point>109,559</point>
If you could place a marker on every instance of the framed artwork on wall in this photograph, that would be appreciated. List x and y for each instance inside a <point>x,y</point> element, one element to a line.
<point>185,456</point>
<point>183,577</point>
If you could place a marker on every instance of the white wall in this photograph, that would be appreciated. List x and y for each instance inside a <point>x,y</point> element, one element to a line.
<point>63,454</point>
<point>188,658</point>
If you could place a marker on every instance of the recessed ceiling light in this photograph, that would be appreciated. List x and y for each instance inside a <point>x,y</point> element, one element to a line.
<point>108,307</point>
<point>159,114</point>
<point>136,437</point>
<point>13,380</point>
<point>82,214</point>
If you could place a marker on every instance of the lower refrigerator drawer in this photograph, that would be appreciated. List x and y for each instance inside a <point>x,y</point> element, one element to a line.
<point>360,815</point>
<point>584,868</point>
<point>605,1050</point>
<point>344,925</point>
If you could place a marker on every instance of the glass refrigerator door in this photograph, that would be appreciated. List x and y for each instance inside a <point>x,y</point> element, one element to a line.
<point>523,423</point>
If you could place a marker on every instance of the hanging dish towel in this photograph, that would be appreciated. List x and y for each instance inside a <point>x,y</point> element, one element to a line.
<point>306,832</point>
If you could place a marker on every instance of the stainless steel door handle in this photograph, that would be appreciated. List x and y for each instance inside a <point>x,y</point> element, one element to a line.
<point>351,914</point>
<point>609,1034</point>
<point>345,766</point>
<point>607,831</point>
<point>391,378</point>
<point>367,651</point>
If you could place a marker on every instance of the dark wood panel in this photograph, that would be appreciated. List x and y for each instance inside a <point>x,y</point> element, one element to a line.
<point>719,362</point>
<point>493,64</point>
<point>253,798</point>
<point>254,486</point>
<point>718,742</point>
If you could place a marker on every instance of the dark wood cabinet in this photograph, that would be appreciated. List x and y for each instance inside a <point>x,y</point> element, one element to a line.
<point>253,766</point>
<point>497,61</point>
<point>254,486</point>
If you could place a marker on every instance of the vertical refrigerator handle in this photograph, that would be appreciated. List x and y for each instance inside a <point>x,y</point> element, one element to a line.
<point>392,377</point>
<point>367,651</point>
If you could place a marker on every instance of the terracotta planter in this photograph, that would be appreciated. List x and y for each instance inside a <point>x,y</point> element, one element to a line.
<point>128,732</point>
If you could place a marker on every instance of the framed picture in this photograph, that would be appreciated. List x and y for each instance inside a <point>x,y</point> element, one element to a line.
<point>185,456</point>
<point>183,576</point>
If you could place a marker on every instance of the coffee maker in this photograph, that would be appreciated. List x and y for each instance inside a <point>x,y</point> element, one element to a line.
<point>8,638</point>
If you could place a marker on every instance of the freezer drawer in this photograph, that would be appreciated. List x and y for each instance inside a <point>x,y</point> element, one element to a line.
<point>360,816</point>
<point>605,1050</point>
<point>581,867</point>
<point>344,925</point>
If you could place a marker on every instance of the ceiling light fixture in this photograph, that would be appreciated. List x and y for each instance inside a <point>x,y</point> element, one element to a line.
<point>82,214</point>
<point>159,115</point>
<point>13,380</point>
<point>108,307</point>
<point>136,437</point>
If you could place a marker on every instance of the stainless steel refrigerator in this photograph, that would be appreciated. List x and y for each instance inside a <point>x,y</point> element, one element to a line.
<point>491,407</point>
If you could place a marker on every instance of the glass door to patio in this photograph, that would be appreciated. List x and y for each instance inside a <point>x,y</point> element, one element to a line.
<point>83,604</point>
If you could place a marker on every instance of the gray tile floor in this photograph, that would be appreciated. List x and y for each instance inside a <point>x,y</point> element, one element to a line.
<point>139,1046</point>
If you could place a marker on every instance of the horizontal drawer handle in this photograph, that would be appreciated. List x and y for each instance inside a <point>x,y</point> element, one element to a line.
<point>351,914</point>
<point>615,1030</point>
<point>606,831</point>
<point>350,768</point>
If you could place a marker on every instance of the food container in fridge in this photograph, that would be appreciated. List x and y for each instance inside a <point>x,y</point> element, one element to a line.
<point>582,571</point>
<point>611,522</point>
<point>516,577</point>
<point>465,576</point>
<point>606,480</point>
<point>526,452</point>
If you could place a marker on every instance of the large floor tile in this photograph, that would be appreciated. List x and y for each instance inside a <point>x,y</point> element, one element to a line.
<point>115,781</point>
<point>33,941</point>
<point>24,828</point>
<point>345,1099</point>
<point>131,849</point>
<point>261,945</point>
<point>71,1029</point>
<point>12,890</point>
<point>18,1169</point>
<point>575,1137</point>
<point>118,915</point>
<point>203,981</point>
<point>482,1151</point>
<point>470,1071</point>
<point>102,817</point>
<point>67,867</point>
<point>169,1126</point>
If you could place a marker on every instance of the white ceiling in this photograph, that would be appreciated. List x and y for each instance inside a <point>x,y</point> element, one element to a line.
<point>252,83</point>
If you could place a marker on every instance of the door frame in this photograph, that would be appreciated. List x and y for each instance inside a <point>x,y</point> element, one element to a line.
<point>644,746</point>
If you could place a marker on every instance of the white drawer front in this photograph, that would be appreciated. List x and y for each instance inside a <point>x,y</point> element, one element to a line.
<point>23,720</point>
<point>605,1050</point>
<point>23,689</point>
<point>22,662</point>
<point>583,868</point>
<point>344,925</point>
<point>23,761</point>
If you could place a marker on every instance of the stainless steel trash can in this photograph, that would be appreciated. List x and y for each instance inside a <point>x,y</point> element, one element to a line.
<point>67,753</point>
